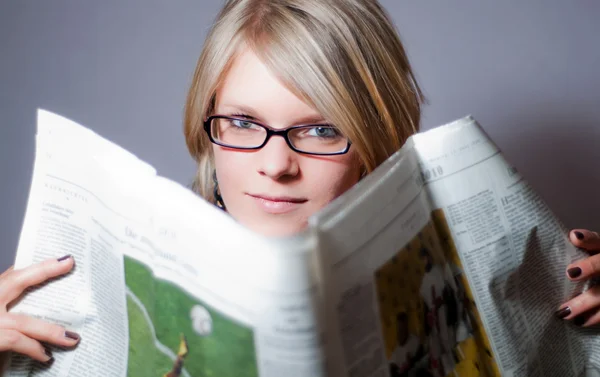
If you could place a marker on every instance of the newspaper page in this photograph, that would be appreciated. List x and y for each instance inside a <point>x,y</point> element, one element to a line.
<point>512,249</point>
<point>165,284</point>
<point>445,262</point>
<point>395,306</point>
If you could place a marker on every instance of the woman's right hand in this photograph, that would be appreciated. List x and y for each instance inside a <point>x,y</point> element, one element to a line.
<point>24,334</point>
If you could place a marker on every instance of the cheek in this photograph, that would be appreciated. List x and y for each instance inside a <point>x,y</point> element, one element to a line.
<point>231,168</point>
<point>333,178</point>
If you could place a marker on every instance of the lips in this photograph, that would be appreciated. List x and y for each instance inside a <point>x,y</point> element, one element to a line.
<point>277,204</point>
<point>278,198</point>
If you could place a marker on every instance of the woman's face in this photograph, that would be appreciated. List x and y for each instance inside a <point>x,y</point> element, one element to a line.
<point>274,190</point>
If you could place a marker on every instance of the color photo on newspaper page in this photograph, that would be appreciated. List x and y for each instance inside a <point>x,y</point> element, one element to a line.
<point>173,334</point>
<point>429,321</point>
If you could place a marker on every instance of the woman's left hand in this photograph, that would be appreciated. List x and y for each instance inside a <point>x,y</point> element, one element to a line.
<point>584,310</point>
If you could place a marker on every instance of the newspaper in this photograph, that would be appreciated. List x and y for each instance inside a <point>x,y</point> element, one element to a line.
<point>450,256</point>
<point>442,262</point>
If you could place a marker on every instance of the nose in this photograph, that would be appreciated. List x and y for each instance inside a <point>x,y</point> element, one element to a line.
<point>277,160</point>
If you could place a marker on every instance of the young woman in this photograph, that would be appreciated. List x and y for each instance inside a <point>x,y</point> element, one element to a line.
<point>292,102</point>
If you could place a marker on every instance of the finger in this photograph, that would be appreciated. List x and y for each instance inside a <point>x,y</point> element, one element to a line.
<point>8,270</point>
<point>15,282</point>
<point>584,268</point>
<point>579,305</point>
<point>39,330</point>
<point>588,319</point>
<point>585,239</point>
<point>11,340</point>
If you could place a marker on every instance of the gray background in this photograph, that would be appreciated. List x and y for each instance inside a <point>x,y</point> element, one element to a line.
<point>528,71</point>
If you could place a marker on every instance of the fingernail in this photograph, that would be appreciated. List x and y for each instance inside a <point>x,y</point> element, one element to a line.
<point>579,235</point>
<point>574,272</point>
<point>64,258</point>
<point>562,313</point>
<point>72,335</point>
<point>579,321</point>
<point>49,354</point>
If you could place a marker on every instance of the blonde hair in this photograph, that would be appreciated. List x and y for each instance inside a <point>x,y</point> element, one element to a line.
<point>342,57</point>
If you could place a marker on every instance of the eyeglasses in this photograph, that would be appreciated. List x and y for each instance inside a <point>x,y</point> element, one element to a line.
<point>240,133</point>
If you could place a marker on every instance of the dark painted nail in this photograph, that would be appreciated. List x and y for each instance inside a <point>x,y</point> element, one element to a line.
<point>579,235</point>
<point>72,335</point>
<point>49,354</point>
<point>579,321</point>
<point>64,258</point>
<point>574,272</point>
<point>562,313</point>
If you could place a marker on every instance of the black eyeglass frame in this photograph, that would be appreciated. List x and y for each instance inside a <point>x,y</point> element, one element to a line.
<point>270,132</point>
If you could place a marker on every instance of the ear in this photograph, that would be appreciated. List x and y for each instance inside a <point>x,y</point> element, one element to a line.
<point>362,171</point>
<point>362,168</point>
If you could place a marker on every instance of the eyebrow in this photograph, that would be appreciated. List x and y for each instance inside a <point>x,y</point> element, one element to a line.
<point>251,114</point>
<point>247,111</point>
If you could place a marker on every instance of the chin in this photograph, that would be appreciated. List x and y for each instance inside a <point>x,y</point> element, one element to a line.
<point>277,228</point>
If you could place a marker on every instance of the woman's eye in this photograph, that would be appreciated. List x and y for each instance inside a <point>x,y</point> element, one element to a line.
<point>323,132</point>
<point>241,123</point>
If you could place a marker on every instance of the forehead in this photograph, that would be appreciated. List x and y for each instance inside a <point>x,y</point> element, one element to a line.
<point>250,85</point>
